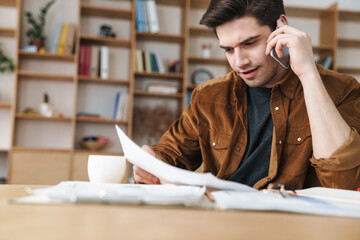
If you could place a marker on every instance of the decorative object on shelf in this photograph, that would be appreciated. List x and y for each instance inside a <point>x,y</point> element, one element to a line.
<point>94,143</point>
<point>45,108</point>
<point>106,31</point>
<point>30,110</point>
<point>152,122</point>
<point>6,63</point>
<point>201,75</point>
<point>206,50</point>
<point>36,32</point>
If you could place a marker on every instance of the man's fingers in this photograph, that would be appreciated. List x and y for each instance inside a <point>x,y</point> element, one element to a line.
<point>148,149</point>
<point>142,176</point>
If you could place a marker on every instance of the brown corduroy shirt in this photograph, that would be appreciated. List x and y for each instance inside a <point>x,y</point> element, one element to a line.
<point>213,131</point>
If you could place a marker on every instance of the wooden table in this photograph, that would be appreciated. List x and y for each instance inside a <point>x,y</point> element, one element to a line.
<point>100,222</point>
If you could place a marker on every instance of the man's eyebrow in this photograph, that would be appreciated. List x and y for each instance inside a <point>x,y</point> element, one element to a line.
<point>242,42</point>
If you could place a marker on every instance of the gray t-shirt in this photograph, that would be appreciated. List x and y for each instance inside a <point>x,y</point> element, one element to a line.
<point>255,163</point>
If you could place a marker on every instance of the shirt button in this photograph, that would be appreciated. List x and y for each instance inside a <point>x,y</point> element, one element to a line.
<point>280,142</point>
<point>238,149</point>
<point>299,139</point>
<point>214,144</point>
<point>276,108</point>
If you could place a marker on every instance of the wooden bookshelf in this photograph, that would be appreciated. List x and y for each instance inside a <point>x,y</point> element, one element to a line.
<point>105,12</point>
<point>103,80</point>
<point>101,120</point>
<point>7,32</point>
<point>157,94</point>
<point>160,75</point>
<point>8,3</point>
<point>46,56</point>
<point>196,59</point>
<point>40,117</point>
<point>23,74</point>
<point>5,105</point>
<point>107,41</point>
<point>148,36</point>
<point>349,42</point>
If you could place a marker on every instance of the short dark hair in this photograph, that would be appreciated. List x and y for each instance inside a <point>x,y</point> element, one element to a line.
<point>219,12</point>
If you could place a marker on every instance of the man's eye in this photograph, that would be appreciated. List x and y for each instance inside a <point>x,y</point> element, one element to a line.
<point>227,50</point>
<point>250,43</point>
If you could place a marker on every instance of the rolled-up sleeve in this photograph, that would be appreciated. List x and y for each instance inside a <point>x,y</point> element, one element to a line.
<point>342,168</point>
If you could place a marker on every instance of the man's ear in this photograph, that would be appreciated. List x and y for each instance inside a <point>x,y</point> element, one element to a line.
<point>284,19</point>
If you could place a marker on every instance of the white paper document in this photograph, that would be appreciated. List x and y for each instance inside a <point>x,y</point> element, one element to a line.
<point>170,174</point>
<point>86,192</point>
<point>276,202</point>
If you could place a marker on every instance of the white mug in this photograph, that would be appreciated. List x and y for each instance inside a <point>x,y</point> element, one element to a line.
<point>106,169</point>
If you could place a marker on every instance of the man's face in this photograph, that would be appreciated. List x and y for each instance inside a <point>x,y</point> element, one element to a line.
<point>244,42</point>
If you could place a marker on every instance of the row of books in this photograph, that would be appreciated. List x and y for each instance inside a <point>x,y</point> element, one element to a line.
<point>63,40</point>
<point>121,106</point>
<point>94,61</point>
<point>146,16</point>
<point>163,87</point>
<point>146,61</point>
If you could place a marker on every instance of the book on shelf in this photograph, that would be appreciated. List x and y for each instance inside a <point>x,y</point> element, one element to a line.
<point>138,61</point>
<point>146,61</point>
<point>163,87</point>
<point>146,16</point>
<point>54,42</point>
<point>70,40</point>
<point>153,20</point>
<point>121,106</point>
<point>94,61</point>
<point>62,39</point>
<point>104,62</point>
<point>139,16</point>
<point>65,42</point>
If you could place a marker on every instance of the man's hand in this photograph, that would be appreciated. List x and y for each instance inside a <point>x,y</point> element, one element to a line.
<point>142,176</point>
<point>300,49</point>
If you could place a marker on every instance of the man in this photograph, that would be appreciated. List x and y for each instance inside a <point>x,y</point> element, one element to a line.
<point>262,123</point>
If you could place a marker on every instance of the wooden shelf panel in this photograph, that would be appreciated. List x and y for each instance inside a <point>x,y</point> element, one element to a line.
<point>45,76</point>
<point>348,69</point>
<point>200,4</point>
<point>37,149</point>
<point>347,42</point>
<point>105,12</point>
<point>8,3</point>
<point>201,32</point>
<point>7,32</point>
<point>196,59</point>
<point>102,80</point>
<point>160,75</point>
<point>40,117</point>
<point>179,3</point>
<point>101,120</point>
<point>48,56</point>
<point>4,150</point>
<point>349,15</point>
<point>324,48</point>
<point>163,37</point>
<point>97,40</point>
<point>308,12</point>
<point>191,86</point>
<point>157,94</point>
<point>5,105</point>
<point>103,152</point>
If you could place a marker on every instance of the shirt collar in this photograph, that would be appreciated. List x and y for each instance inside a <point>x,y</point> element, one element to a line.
<point>288,84</point>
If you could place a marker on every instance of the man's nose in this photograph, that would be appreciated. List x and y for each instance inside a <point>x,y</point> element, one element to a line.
<point>241,58</point>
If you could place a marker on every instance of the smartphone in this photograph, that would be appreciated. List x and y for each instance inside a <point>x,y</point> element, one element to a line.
<point>284,61</point>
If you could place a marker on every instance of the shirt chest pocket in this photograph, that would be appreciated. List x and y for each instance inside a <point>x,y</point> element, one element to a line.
<point>297,136</point>
<point>220,144</point>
